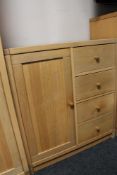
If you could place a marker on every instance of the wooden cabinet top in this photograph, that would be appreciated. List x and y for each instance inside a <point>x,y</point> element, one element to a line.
<point>29,49</point>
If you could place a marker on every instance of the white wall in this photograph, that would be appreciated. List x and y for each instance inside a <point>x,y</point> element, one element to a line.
<point>31,22</point>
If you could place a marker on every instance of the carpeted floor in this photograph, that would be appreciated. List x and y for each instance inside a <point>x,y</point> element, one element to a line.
<point>99,160</point>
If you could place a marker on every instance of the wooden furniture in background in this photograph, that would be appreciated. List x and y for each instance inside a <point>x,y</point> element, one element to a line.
<point>104,26</point>
<point>51,87</point>
<point>12,155</point>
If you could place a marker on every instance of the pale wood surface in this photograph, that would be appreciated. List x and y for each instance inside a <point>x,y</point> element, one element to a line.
<point>30,49</point>
<point>95,107</point>
<point>12,172</point>
<point>95,84</point>
<point>39,56</point>
<point>93,57</point>
<point>104,27</point>
<point>74,93</point>
<point>41,78</point>
<point>17,107</point>
<point>46,84</point>
<point>115,125</point>
<point>96,42</point>
<point>94,79</point>
<point>12,157</point>
<point>9,155</point>
<point>95,128</point>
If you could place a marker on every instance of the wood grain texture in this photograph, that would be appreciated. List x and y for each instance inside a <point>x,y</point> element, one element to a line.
<point>39,56</point>
<point>74,93</point>
<point>9,155</point>
<point>104,26</point>
<point>50,111</point>
<point>17,108</point>
<point>95,107</point>
<point>95,84</point>
<point>115,125</point>
<point>93,57</point>
<point>31,49</point>
<point>45,97</point>
<point>94,74</point>
<point>10,140</point>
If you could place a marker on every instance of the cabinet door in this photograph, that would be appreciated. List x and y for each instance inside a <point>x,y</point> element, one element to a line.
<point>44,87</point>
<point>10,163</point>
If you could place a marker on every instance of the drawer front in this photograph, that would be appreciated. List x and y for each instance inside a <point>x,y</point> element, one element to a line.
<point>94,84</point>
<point>95,128</point>
<point>95,107</point>
<point>89,58</point>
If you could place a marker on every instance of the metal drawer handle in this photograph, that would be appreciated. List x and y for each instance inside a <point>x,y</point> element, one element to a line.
<point>97,59</point>
<point>98,85</point>
<point>97,129</point>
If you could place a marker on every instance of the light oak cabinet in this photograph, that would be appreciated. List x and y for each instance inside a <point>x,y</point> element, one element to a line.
<point>95,86</point>
<point>64,96</point>
<point>12,155</point>
<point>44,91</point>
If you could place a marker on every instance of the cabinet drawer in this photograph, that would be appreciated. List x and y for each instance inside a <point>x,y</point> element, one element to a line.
<point>95,107</point>
<point>95,128</point>
<point>94,84</point>
<point>93,57</point>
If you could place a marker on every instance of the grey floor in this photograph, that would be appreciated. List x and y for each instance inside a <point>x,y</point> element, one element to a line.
<point>99,160</point>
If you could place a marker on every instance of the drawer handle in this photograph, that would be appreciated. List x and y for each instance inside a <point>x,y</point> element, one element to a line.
<point>98,109</point>
<point>98,85</point>
<point>97,59</point>
<point>97,129</point>
<point>71,104</point>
